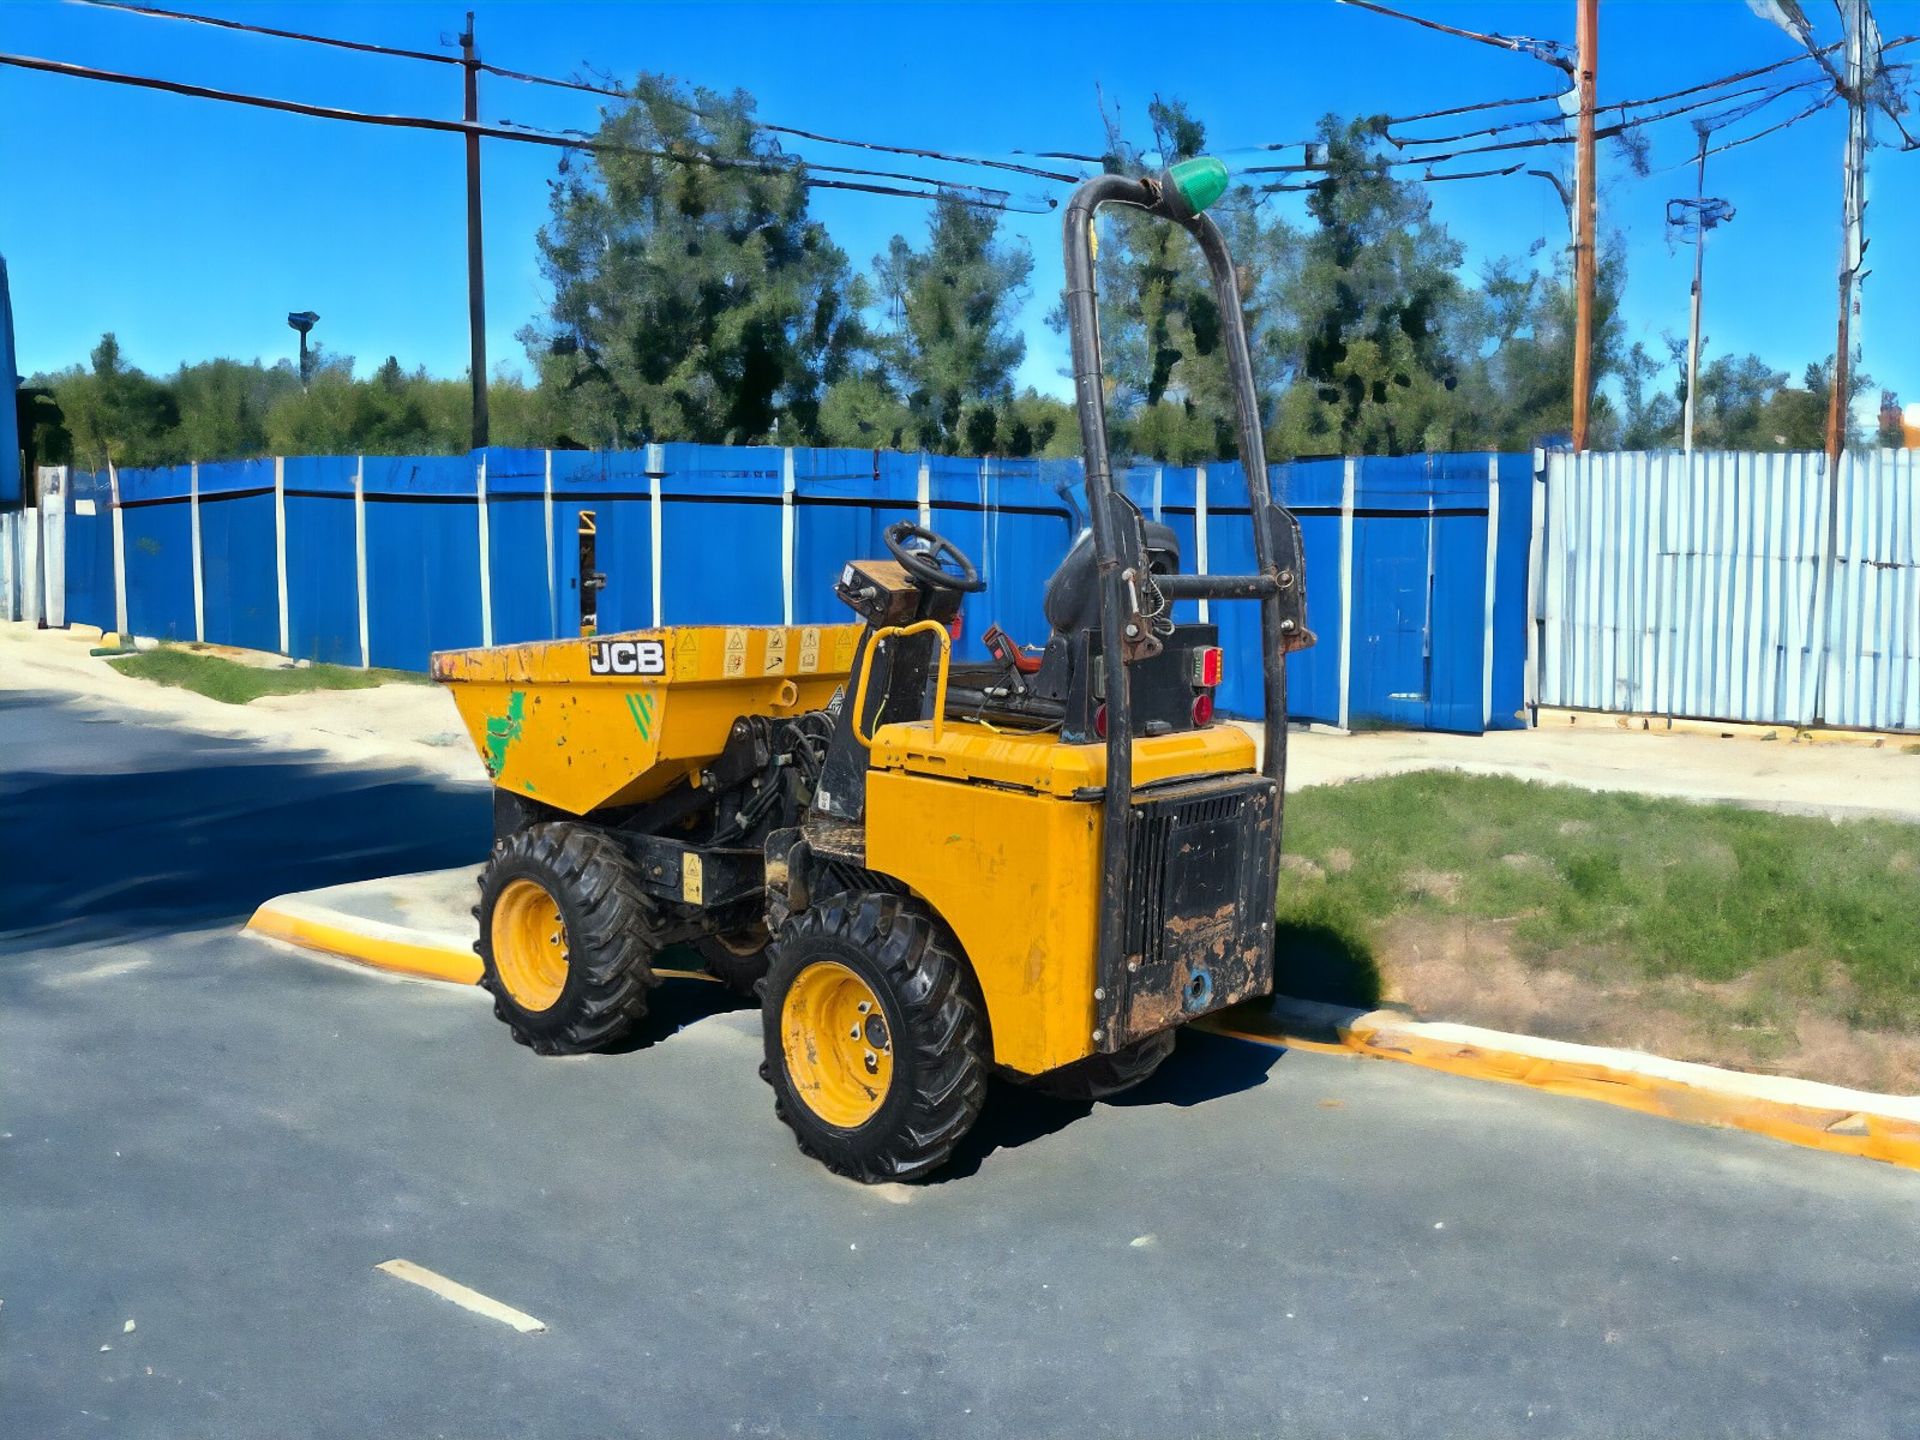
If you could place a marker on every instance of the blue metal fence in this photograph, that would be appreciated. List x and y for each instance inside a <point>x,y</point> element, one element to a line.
<point>1416,566</point>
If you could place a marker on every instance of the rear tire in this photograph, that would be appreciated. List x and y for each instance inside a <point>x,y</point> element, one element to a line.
<point>876,1038</point>
<point>1099,1076</point>
<point>563,944</point>
<point>738,960</point>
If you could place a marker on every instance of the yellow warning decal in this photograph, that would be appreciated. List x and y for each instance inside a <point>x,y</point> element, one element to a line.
<point>774,662</point>
<point>736,662</point>
<point>810,650</point>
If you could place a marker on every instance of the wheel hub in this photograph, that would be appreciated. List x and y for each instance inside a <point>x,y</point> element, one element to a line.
<point>530,944</point>
<point>835,1044</point>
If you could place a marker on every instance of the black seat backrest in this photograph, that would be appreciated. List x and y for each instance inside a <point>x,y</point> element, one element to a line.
<point>1071,600</point>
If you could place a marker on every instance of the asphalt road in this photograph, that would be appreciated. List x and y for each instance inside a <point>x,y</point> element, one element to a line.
<point>218,1140</point>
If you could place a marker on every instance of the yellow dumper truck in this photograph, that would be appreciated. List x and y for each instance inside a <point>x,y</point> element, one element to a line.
<point>926,872</point>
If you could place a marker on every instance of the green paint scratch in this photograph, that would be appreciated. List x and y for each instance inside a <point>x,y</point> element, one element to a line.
<point>503,730</point>
<point>641,708</point>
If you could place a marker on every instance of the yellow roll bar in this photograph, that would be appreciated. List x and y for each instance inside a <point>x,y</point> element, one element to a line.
<point>888,632</point>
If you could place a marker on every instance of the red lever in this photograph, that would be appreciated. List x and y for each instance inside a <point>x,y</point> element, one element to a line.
<point>1000,645</point>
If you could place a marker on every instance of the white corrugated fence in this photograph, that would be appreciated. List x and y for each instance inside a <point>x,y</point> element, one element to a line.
<point>1728,586</point>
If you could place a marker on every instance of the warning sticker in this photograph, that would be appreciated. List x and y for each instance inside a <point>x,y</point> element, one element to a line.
<point>774,662</point>
<point>736,653</point>
<point>810,650</point>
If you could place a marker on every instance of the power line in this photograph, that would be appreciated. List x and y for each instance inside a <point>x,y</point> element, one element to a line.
<point>155,12</point>
<point>527,77</point>
<point>1550,51</point>
<point>526,136</point>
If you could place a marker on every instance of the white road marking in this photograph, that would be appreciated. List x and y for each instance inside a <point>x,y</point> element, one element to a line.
<point>460,1295</point>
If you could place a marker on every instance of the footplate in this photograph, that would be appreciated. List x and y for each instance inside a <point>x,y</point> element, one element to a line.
<point>1199,891</point>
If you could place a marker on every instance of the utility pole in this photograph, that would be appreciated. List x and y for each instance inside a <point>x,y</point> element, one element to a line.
<point>476,263</point>
<point>1699,264</point>
<point>1852,246</point>
<point>1586,65</point>
<point>1707,213</point>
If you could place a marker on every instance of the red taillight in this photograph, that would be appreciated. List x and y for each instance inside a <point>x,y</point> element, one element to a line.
<point>1202,711</point>
<point>1100,722</point>
<point>1209,665</point>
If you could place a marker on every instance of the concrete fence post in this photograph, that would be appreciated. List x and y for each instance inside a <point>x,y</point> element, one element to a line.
<point>1493,571</point>
<point>119,552</point>
<point>656,472</point>
<point>360,558</point>
<point>1536,618</point>
<point>54,482</point>
<point>1349,487</point>
<point>486,551</point>
<point>9,578</point>
<point>280,549</point>
<point>28,530</point>
<point>1200,534</point>
<point>193,533</point>
<point>786,536</point>
<point>553,589</point>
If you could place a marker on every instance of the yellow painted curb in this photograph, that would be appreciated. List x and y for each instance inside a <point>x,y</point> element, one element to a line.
<point>1800,1112</point>
<point>383,946</point>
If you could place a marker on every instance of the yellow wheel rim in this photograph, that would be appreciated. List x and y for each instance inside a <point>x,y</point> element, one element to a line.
<point>530,944</point>
<point>836,1044</point>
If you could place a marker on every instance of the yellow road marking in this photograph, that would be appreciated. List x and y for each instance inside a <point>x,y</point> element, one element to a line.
<point>462,1296</point>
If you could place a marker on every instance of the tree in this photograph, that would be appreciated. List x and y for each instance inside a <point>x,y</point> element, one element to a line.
<point>116,412</point>
<point>1375,322</point>
<point>951,345</point>
<point>224,405</point>
<point>1651,417</point>
<point>693,300</point>
<point>1168,395</point>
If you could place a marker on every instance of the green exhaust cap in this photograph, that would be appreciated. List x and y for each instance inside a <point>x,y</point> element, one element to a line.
<point>1200,181</point>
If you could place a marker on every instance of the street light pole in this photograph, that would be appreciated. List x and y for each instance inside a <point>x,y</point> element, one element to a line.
<point>476,263</point>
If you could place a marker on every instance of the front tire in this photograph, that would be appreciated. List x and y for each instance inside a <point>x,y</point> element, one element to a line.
<point>563,944</point>
<point>876,1038</point>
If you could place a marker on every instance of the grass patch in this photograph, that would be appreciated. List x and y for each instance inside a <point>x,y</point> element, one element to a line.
<point>235,684</point>
<point>1779,907</point>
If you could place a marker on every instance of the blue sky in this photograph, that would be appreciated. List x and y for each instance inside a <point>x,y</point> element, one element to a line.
<point>191,228</point>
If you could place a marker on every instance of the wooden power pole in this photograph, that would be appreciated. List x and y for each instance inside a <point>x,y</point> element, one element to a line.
<point>1853,211</point>
<point>1585,206</point>
<point>476,262</point>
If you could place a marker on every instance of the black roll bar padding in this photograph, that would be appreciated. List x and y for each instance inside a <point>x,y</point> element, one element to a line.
<point>1083,326</point>
<point>1217,587</point>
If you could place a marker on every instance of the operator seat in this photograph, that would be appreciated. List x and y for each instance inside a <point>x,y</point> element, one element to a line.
<point>1071,600</point>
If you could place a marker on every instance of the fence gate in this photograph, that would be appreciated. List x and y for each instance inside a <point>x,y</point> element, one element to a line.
<point>1724,586</point>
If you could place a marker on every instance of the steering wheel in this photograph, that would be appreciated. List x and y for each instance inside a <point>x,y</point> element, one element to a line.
<point>924,565</point>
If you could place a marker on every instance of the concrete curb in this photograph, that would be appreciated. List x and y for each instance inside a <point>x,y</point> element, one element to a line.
<point>1800,1112</point>
<point>403,950</point>
<point>420,953</point>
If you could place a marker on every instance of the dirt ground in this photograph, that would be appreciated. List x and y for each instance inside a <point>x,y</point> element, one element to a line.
<point>1463,969</point>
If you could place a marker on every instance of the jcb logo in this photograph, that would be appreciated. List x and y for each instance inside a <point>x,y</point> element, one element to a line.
<point>627,657</point>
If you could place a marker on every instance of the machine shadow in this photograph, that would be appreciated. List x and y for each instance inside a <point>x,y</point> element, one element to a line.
<point>151,839</point>
<point>1202,1068</point>
<point>676,1004</point>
